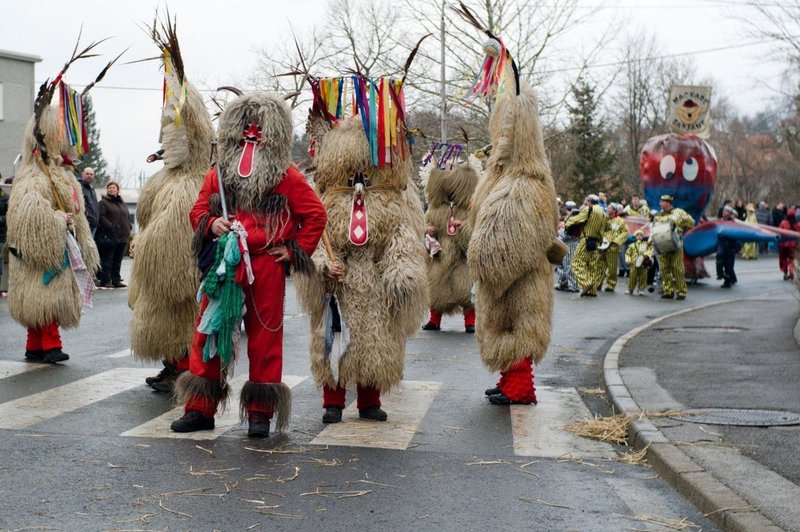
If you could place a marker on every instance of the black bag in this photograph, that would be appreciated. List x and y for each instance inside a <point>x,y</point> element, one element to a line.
<point>591,243</point>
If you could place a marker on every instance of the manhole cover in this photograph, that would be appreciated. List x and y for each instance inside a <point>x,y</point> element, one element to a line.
<point>740,417</point>
<point>703,329</point>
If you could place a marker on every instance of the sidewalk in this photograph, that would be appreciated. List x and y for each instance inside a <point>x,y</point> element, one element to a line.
<point>739,354</point>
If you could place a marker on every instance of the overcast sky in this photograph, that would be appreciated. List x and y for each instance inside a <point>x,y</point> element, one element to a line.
<point>220,39</point>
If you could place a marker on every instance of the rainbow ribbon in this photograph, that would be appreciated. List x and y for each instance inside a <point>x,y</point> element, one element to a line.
<point>71,118</point>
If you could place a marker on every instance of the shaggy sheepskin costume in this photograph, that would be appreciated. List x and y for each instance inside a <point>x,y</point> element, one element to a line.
<point>383,295</point>
<point>514,218</point>
<point>43,290</point>
<point>449,192</point>
<point>282,215</point>
<point>165,277</point>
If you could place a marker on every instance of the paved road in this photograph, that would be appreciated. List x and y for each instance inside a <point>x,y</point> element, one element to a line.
<point>86,445</point>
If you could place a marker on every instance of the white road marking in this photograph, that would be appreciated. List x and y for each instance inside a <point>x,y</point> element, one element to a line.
<point>9,368</point>
<point>539,429</point>
<point>32,409</point>
<point>159,427</point>
<point>121,354</point>
<point>406,405</point>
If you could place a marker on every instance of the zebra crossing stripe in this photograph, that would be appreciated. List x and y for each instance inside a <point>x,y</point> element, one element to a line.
<point>159,427</point>
<point>538,430</point>
<point>406,405</point>
<point>10,368</point>
<point>32,409</point>
<point>121,354</point>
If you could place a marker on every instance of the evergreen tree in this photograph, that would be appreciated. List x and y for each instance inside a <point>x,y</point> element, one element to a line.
<point>95,157</point>
<point>592,160</point>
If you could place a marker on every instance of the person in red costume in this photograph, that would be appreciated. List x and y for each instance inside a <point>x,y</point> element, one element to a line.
<point>283,219</point>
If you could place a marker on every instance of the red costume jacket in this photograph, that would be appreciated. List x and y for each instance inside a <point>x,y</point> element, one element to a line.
<point>308,216</point>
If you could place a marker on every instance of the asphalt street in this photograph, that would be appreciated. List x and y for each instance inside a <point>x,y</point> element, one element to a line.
<point>85,445</point>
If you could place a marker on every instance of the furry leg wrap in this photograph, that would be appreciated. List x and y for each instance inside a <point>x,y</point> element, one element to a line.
<point>267,398</point>
<point>516,382</point>
<point>299,259</point>
<point>203,395</point>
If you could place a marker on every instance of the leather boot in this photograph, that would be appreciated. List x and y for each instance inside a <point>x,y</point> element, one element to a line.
<point>34,355</point>
<point>167,385</point>
<point>374,413</point>
<point>493,391</point>
<point>52,356</point>
<point>257,425</point>
<point>192,421</point>
<point>169,370</point>
<point>333,414</point>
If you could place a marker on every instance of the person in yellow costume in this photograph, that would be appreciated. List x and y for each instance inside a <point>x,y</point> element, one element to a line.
<point>749,251</point>
<point>640,248</point>
<point>671,263</point>
<point>616,234</point>
<point>586,260</point>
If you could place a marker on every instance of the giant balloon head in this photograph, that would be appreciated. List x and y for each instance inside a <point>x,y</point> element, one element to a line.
<point>684,167</point>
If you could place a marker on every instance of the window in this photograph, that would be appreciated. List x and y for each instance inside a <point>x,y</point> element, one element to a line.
<point>1,101</point>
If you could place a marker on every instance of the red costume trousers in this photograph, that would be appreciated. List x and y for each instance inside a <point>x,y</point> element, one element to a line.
<point>516,383</point>
<point>263,323</point>
<point>469,317</point>
<point>367,396</point>
<point>786,257</point>
<point>43,338</point>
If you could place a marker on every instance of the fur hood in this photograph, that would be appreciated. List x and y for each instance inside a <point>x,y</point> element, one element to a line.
<point>344,152</point>
<point>456,184</point>
<point>272,156</point>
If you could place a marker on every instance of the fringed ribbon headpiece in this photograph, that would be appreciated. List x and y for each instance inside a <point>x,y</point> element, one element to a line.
<point>71,116</point>
<point>379,102</point>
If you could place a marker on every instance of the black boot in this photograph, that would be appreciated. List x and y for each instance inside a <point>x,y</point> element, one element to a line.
<point>502,400</point>
<point>166,385</point>
<point>51,356</point>
<point>34,355</point>
<point>168,371</point>
<point>192,421</point>
<point>430,326</point>
<point>374,413</point>
<point>493,391</point>
<point>333,414</point>
<point>257,425</point>
<point>469,329</point>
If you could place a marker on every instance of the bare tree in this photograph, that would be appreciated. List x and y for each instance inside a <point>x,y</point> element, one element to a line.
<point>533,31</point>
<point>646,76</point>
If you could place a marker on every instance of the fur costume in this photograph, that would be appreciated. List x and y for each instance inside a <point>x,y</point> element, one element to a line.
<point>383,294</point>
<point>165,277</point>
<point>514,218</point>
<point>277,208</point>
<point>36,230</point>
<point>449,192</point>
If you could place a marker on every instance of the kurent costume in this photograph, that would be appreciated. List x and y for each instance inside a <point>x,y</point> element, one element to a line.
<point>616,235</point>
<point>275,212</point>
<point>514,219</point>
<point>449,191</point>
<point>673,276</point>
<point>586,261</point>
<point>165,277</point>
<point>639,258</point>
<point>52,253</point>
<point>375,225</point>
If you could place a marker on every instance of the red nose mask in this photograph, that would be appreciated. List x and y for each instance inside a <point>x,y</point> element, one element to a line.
<point>250,138</point>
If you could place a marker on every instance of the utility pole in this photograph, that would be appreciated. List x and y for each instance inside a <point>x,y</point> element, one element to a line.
<point>443,110</point>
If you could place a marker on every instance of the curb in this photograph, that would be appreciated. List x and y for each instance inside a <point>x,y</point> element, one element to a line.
<point>720,504</point>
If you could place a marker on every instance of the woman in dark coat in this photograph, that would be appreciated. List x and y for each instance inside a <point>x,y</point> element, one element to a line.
<point>113,231</point>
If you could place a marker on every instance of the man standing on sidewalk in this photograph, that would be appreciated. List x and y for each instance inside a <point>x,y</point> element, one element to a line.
<point>90,198</point>
<point>727,249</point>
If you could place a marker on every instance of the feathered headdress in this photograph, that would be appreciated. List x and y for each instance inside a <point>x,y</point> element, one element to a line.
<point>71,111</point>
